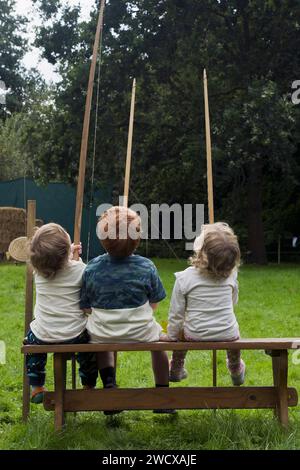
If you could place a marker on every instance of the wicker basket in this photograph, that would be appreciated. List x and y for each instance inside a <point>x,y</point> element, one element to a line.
<point>18,249</point>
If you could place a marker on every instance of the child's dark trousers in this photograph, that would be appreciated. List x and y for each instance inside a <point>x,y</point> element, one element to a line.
<point>36,363</point>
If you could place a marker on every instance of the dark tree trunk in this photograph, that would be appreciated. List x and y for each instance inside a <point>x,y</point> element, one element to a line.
<point>256,242</point>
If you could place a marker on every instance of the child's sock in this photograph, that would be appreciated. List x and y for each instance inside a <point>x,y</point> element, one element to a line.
<point>237,372</point>
<point>108,377</point>
<point>177,370</point>
<point>37,394</point>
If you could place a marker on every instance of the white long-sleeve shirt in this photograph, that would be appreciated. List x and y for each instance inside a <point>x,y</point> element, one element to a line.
<point>202,307</point>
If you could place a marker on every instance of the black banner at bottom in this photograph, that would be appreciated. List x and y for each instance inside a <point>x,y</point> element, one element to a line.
<point>146,458</point>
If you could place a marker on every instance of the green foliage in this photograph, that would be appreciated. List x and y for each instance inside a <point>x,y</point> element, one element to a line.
<point>264,124</point>
<point>61,37</point>
<point>25,135</point>
<point>12,50</point>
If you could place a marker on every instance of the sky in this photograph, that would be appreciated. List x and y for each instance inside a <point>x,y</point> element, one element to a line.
<point>33,58</point>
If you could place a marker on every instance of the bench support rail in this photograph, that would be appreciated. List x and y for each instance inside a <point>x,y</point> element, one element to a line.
<point>171,398</point>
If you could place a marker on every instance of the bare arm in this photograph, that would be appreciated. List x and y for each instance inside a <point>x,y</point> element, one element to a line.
<point>154,306</point>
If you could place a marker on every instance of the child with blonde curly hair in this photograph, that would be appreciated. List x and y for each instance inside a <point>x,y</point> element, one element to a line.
<point>203,298</point>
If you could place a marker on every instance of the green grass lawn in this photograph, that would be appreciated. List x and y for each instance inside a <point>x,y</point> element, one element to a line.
<point>269,306</point>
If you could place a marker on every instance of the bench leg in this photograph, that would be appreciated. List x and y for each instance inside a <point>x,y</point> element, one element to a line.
<point>116,363</point>
<point>26,394</point>
<point>280,378</point>
<point>60,387</point>
<point>73,367</point>
<point>215,367</point>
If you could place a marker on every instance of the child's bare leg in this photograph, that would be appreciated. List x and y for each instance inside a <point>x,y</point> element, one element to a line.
<point>105,359</point>
<point>177,370</point>
<point>160,366</point>
<point>106,366</point>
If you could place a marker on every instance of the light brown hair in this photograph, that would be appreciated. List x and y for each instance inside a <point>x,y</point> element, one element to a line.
<point>217,251</point>
<point>49,250</point>
<point>119,230</point>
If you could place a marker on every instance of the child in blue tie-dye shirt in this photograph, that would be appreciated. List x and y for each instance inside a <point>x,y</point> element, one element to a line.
<point>122,290</point>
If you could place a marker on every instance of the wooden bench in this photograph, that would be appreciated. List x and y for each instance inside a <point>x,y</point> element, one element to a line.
<point>278,397</point>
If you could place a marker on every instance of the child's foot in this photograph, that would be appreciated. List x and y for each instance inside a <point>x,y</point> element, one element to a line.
<point>37,395</point>
<point>88,387</point>
<point>177,374</point>
<point>239,377</point>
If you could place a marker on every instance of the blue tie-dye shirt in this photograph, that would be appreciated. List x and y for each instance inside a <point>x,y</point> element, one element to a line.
<point>118,283</point>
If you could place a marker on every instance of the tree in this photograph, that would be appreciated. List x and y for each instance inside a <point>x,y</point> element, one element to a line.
<point>25,134</point>
<point>251,51</point>
<point>257,133</point>
<point>12,50</point>
<point>260,43</point>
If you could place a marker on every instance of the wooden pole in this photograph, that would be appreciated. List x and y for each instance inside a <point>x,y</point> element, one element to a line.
<point>128,161</point>
<point>85,132</point>
<point>210,189</point>
<point>129,146</point>
<point>31,218</point>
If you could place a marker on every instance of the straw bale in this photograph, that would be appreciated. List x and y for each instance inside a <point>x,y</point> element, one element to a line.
<point>12,225</point>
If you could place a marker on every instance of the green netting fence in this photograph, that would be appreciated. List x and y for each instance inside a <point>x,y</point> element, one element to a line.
<point>56,203</point>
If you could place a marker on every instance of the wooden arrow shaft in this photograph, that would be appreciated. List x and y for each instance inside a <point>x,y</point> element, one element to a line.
<point>129,146</point>
<point>210,190</point>
<point>86,128</point>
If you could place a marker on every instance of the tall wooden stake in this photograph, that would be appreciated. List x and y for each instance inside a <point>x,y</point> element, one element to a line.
<point>31,218</point>
<point>129,146</point>
<point>84,149</point>
<point>85,132</point>
<point>210,188</point>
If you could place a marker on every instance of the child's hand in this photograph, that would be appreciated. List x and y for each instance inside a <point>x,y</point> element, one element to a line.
<point>87,311</point>
<point>165,338</point>
<point>75,248</point>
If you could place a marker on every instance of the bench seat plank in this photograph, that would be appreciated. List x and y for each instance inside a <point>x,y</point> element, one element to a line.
<point>243,344</point>
<point>171,398</point>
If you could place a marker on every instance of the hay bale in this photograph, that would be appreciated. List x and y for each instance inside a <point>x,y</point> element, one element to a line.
<point>12,226</point>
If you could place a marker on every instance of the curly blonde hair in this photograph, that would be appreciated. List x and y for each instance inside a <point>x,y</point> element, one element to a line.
<point>216,251</point>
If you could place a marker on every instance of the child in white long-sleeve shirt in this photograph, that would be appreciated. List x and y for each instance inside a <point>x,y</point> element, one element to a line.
<point>203,297</point>
<point>58,317</point>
